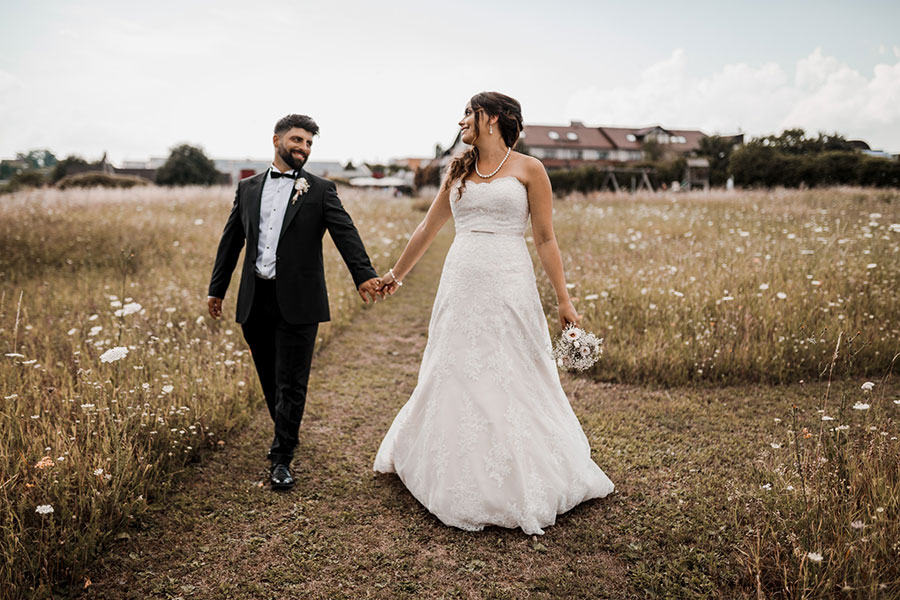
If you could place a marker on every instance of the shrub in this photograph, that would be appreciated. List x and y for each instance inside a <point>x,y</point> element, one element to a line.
<point>100,179</point>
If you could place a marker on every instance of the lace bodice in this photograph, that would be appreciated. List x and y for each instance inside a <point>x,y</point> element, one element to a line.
<point>499,206</point>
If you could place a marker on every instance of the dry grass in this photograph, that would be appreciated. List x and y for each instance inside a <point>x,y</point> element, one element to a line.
<point>95,440</point>
<point>705,505</point>
<point>728,288</point>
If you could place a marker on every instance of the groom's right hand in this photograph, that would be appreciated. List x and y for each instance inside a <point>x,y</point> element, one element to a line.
<point>215,307</point>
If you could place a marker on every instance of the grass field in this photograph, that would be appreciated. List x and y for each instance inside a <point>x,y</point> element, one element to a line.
<point>730,485</point>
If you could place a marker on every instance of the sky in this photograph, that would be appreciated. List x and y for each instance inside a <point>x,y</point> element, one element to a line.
<point>390,79</point>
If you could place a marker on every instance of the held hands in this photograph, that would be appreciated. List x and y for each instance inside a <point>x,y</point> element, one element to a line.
<point>389,283</point>
<point>568,314</point>
<point>371,289</point>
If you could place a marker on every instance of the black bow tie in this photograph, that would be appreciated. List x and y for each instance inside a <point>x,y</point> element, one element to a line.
<point>275,174</point>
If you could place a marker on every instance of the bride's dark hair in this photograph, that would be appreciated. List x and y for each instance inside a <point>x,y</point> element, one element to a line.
<point>509,121</point>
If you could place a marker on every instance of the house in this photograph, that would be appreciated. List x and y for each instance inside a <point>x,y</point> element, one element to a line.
<point>577,145</point>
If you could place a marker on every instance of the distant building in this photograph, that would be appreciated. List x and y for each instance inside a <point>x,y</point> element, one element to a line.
<point>575,145</point>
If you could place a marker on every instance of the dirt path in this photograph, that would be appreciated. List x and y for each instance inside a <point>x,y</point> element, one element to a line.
<point>344,532</point>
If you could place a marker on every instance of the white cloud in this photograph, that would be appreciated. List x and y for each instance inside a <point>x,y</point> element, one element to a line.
<point>824,94</point>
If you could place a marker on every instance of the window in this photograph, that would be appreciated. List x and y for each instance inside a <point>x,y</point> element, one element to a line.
<point>538,153</point>
<point>553,135</point>
<point>590,155</point>
<point>630,137</point>
<point>572,136</point>
<point>522,135</point>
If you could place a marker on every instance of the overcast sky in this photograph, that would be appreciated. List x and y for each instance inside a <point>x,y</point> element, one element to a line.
<point>390,79</point>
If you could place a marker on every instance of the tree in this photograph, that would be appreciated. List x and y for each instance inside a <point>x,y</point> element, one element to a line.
<point>718,151</point>
<point>68,166</point>
<point>188,165</point>
<point>38,159</point>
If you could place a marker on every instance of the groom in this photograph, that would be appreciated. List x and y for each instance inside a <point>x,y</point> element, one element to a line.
<point>282,214</point>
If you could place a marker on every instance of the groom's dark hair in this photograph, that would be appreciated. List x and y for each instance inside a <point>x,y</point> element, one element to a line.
<point>301,121</point>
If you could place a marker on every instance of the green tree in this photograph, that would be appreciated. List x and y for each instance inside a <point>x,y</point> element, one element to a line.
<point>718,151</point>
<point>38,159</point>
<point>188,165</point>
<point>69,165</point>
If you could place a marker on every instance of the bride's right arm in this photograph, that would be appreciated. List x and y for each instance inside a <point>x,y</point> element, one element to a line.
<point>421,239</point>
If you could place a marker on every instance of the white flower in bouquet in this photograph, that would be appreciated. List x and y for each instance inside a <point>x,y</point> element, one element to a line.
<point>577,349</point>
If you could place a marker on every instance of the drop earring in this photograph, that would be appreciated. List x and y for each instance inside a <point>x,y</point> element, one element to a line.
<point>490,130</point>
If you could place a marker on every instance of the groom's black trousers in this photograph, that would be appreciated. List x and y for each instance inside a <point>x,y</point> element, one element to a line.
<point>282,353</point>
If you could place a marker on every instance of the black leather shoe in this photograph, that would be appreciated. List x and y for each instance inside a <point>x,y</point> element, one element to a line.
<point>281,477</point>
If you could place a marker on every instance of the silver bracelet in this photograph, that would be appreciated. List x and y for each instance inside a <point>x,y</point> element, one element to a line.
<point>391,273</point>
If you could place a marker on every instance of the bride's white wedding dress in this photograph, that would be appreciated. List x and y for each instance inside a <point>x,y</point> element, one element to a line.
<point>488,436</point>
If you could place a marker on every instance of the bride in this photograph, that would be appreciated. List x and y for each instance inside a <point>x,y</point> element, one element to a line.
<point>488,436</point>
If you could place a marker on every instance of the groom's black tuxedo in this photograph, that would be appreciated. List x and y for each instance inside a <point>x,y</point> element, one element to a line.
<point>280,316</point>
<point>300,289</point>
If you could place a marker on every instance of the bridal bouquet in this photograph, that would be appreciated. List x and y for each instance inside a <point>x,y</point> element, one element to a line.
<point>577,349</point>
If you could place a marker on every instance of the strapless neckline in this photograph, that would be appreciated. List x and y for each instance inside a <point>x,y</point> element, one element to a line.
<point>468,181</point>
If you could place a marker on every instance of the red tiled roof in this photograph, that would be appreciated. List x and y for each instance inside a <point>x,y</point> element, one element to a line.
<point>587,137</point>
<point>619,137</point>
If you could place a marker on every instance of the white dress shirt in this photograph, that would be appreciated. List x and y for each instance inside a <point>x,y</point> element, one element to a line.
<point>275,195</point>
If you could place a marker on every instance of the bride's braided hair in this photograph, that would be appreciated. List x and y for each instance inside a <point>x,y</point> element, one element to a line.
<point>509,121</point>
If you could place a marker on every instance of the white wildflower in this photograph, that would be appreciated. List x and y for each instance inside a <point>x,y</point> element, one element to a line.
<point>860,406</point>
<point>764,286</point>
<point>781,295</point>
<point>98,472</point>
<point>827,418</point>
<point>167,389</point>
<point>591,297</point>
<point>871,265</point>
<point>775,445</point>
<point>867,386</point>
<point>114,354</point>
<point>44,509</point>
<point>128,309</point>
<point>814,557</point>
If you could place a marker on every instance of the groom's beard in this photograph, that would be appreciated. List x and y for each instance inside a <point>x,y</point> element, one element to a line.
<point>290,160</point>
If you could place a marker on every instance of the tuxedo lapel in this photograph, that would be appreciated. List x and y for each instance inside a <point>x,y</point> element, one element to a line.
<point>254,197</point>
<point>295,202</point>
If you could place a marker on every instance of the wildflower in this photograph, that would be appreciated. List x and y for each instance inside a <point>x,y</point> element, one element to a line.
<point>827,418</point>
<point>128,309</point>
<point>95,330</point>
<point>591,297</point>
<point>573,333</point>
<point>871,265</point>
<point>860,406</point>
<point>98,472</point>
<point>200,320</point>
<point>842,428</point>
<point>44,509</point>
<point>814,557</point>
<point>167,389</point>
<point>775,445</point>
<point>87,406</point>
<point>15,355</point>
<point>867,386</point>
<point>766,486</point>
<point>44,463</point>
<point>764,286</point>
<point>896,401</point>
<point>198,221</point>
<point>781,295</point>
<point>72,331</point>
<point>114,354</point>
<point>815,282</point>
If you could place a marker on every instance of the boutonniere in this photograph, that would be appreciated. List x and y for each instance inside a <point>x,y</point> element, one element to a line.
<point>301,185</point>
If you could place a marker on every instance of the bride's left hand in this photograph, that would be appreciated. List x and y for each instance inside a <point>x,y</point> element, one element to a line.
<point>568,314</point>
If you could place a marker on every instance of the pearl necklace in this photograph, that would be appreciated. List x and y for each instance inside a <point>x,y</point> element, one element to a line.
<point>494,172</point>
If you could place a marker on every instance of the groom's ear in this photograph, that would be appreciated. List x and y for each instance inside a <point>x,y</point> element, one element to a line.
<point>275,139</point>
